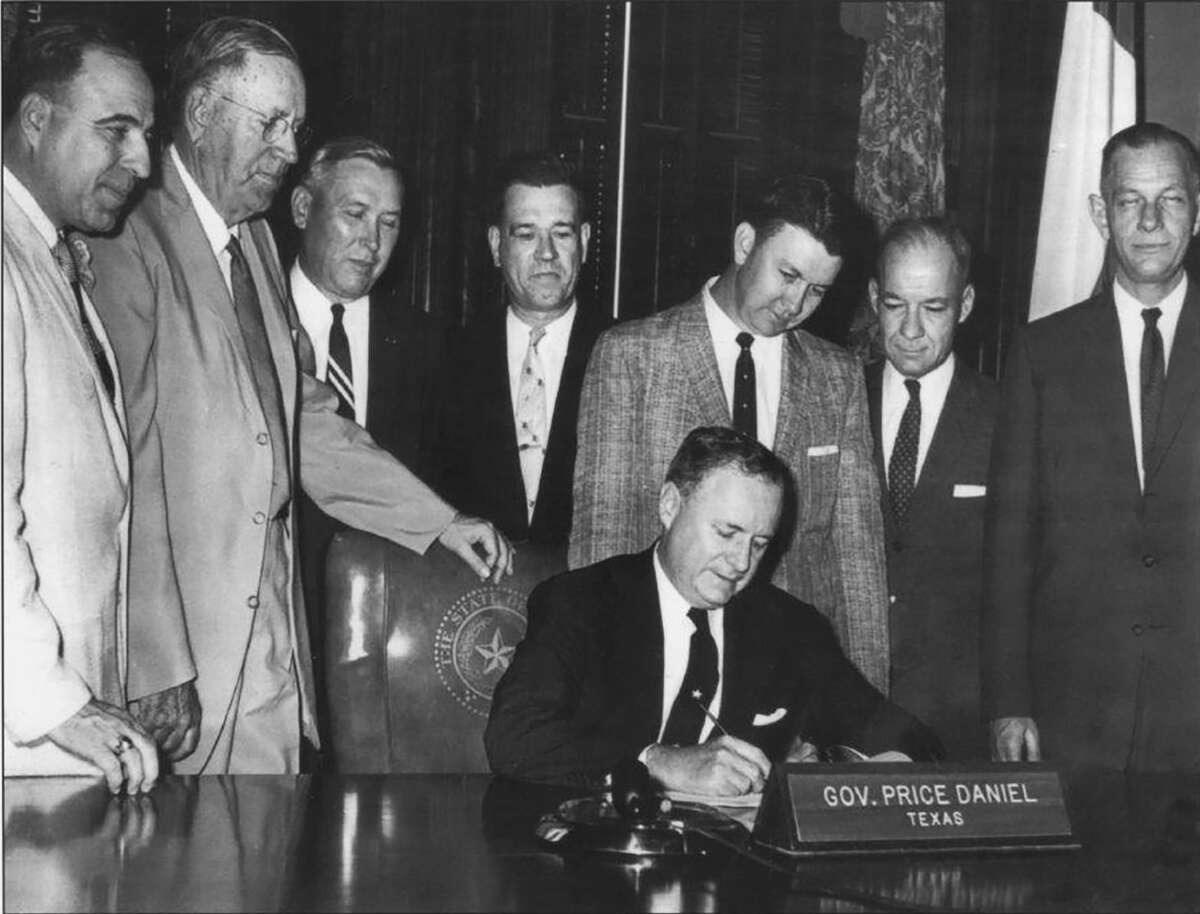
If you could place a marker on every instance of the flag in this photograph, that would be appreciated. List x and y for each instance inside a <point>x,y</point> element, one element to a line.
<point>1095,97</point>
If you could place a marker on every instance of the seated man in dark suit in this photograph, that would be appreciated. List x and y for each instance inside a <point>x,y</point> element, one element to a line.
<point>932,418</point>
<point>675,657</point>
<point>509,399</point>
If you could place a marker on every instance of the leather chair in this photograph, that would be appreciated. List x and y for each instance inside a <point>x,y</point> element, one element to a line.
<point>414,646</point>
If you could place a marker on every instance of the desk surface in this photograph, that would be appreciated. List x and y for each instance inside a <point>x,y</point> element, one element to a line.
<point>447,842</point>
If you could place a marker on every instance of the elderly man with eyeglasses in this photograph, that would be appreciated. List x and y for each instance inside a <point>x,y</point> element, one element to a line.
<point>218,368</point>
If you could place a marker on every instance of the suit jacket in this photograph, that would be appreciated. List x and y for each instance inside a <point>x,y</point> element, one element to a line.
<point>66,510</point>
<point>478,467</point>
<point>935,564</point>
<point>161,293</point>
<point>584,689</point>
<point>1092,588</point>
<point>652,381</point>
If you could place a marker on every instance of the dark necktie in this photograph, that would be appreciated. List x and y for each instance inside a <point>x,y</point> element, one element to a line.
<point>745,399</point>
<point>64,254</point>
<point>698,688</point>
<point>340,370</point>
<point>902,468</point>
<point>1154,381</point>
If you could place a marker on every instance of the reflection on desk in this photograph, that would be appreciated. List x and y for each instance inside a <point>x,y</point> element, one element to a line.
<point>467,843</point>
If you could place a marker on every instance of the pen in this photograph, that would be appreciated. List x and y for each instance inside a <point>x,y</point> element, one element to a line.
<point>707,713</point>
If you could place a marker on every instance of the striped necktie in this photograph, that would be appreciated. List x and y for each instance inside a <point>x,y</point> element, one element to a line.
<point>340,370</point>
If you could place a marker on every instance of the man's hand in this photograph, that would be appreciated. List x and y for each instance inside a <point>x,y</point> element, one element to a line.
<point>172,718</point>
<point>1015,739</point>
<point>109,738</point>
<point>726,766</point>
<point>465,533</point>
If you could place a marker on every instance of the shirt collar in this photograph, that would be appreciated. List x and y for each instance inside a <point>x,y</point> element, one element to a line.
<point>304,290</point>
<point>557,331</point>
<point>934,384</point>
<point>671,602</point>
<point>215,229</point>
<point>24,199</point>
<point>1171,306</point>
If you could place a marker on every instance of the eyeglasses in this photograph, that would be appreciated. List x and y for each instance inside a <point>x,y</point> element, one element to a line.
<point>273,125</point>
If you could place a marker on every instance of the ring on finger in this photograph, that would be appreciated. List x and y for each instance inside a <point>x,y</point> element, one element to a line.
<point>124,744</point>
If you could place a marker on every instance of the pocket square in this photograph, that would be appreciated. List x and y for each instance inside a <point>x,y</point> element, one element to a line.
<point>962,490</point>
<point>822,450</point>
<point>765,720</point>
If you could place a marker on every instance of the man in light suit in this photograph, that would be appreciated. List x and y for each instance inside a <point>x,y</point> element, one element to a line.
<point>1091,634</point>
<point>734,354</point>
<point>652,655</point>
<point>195,299</point>
<point>74,148</point>
<point>499,452</point>
<point>932,419</point>
<point>377,353</point>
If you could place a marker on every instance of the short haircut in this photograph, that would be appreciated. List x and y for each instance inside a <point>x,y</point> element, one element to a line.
<point>805,202</point>
<point>221,45</point>
<point>49,56</point>
<point>710,448</point>
<point>926,231</point>
<point>533,169</point>
<point>344,149</point>
<point>1140,136</point>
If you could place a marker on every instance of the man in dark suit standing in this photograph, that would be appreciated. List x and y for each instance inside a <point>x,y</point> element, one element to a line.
<point>375,352</point>
<point>651,655</point>
<point>1091,626</point>
<point>932,418</point>
<point>510,396</point>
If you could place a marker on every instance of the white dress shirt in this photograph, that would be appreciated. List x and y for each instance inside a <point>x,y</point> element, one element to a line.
<point>768,364</point>
<point>316,316</point>
<point>552,350</point>
<point>934,387</point>
<point>1129,318</point>
<point>677,645</point>
<point>215,229</point>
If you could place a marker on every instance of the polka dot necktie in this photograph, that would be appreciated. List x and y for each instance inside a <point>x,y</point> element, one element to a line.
<point>1154,381</point>
<point>745,400</point>
<point>902,468</point>
<point>698,688</point>
<point>532,421</point>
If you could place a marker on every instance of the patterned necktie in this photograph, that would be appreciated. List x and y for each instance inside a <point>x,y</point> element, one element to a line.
<point>902,468</point>
<point>745,399</point>
<point>339,372</point>
<point>1154,382</point>
<point>698,688</point>
<point>531,418</point>
<point>64,254</point>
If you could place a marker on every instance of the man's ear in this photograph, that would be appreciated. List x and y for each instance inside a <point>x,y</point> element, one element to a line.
<point>32,116</point>
<point>197,112</point>
<point>1196,224</point>
<point>1099,214</point>
<point>873,294</point>
<point>669,501</point>
<point>301,203</point>
<point>585,235</point>
<point>493,234</point>
<point>968,303</point>
<point>744,237</point>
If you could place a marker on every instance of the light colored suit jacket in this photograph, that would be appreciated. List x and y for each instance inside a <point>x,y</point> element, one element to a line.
<point>162,295</point>
<point>66,510</point>
<point>651,381</point>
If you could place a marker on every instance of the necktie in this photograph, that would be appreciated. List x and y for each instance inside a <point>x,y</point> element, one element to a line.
<point>248,309</point>
<point>745,399</point>
<point>1154,381</point>
<point>340,370</point>
<point>64,254</point>
<point>902,468</point>
<point>698,688</point>
<point>531,418</point>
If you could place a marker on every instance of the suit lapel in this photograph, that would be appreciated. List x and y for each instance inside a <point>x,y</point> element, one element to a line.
<point>496,396</point>
<point>874,378</point>
<point>1183,378</point>
<point>1100,370</point>
<point>638,638</point>
<point>799,400</point>
<point>948,438</point>
<point>700,364</point>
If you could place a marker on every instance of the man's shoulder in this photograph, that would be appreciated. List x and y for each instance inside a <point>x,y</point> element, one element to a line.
<point>1064,326</point>
<point>661,326</point>
<point>596,580</point>
<point>822,351</point>
<point>777,611</point>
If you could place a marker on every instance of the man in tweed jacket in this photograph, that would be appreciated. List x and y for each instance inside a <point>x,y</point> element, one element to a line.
<point>651,381</point>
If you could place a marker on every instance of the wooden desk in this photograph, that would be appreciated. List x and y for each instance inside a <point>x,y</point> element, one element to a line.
<point>449,842</point>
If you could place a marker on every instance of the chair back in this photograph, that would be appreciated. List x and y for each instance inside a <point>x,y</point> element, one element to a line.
<point>414,646</point>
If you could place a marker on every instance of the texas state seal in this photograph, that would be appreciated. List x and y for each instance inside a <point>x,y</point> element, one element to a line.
<point>475,642</point>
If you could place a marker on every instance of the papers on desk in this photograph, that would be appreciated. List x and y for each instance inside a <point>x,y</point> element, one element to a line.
<point>740,801</point>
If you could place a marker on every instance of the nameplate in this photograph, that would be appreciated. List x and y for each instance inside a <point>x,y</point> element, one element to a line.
<point>865,808</point>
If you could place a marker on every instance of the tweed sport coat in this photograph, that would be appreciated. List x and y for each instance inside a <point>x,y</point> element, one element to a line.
<point>651,381</point>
